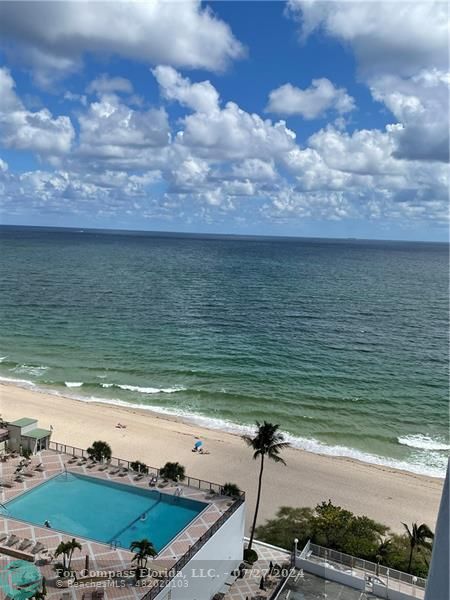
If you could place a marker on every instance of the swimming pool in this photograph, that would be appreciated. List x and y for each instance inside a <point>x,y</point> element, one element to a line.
<point>105,511</point>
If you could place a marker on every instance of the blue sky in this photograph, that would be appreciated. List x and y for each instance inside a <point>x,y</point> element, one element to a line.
<point>298,118</point>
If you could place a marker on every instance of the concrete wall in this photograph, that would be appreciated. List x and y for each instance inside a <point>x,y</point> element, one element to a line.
<point>382,592</point>
<point>347,579</point>
<point>14,438</point>
<point>207,572</point>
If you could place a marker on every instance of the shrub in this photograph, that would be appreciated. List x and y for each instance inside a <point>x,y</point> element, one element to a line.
<point>26,452</point>
<point>173,471</point>
<point>231,489</point>
<point>250,556</point>
<point>327,525</point>
<point>100,451</point>
<point>290,523</point>
<point>139,466</point>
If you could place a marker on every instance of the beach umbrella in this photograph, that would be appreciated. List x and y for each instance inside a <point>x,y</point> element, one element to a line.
<point>20,580</point>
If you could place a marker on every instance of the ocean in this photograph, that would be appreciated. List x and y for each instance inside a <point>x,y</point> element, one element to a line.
<point>341,342</point>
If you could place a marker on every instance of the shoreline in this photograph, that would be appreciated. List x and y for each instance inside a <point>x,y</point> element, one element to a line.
<point>384,493</point>
<point>309,445</point>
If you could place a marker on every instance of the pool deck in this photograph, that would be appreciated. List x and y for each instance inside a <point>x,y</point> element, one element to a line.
<point>101,556</point>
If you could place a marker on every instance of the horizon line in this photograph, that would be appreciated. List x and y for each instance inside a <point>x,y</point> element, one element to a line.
<point>162,233</point>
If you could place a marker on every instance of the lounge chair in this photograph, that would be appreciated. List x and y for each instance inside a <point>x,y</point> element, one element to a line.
<point>163,484</point>
<point>123,472</point>
<point>18,478</point>
<point>114,471</point>
<point>28,473</point>
<point>37,548</point>
<point>3,537</point>
<point>39,467</point>
<point>91,464</point>
<point>82,461</point>
<point>139,476</point>
<point>72,460</point>
<point>103,467</point>
<point>12,540</point>
<point>6,483</point>
<point>26,543</point>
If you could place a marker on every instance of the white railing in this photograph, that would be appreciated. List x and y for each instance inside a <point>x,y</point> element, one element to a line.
<point>339,566</point>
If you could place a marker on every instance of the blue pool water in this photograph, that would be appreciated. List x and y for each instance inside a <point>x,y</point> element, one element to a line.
<point>105,511</point>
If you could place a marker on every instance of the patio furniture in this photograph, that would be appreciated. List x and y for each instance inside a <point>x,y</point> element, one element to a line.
<point>12,540</point>
<point>25,543</point>
<point>38,548</point>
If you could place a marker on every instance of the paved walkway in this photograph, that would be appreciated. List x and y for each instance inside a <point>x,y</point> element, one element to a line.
<point>249,586</point>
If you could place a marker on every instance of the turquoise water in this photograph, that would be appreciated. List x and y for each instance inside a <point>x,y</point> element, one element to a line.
<point>105,511</point>
<point>342,342</point>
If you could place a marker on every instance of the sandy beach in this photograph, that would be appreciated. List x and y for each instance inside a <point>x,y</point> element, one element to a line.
<point>387,495</point>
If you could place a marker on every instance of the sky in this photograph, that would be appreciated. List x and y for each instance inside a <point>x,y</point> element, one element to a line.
<point>303,118</point>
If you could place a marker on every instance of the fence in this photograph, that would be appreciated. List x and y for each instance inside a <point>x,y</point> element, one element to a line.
<point>192,482</point>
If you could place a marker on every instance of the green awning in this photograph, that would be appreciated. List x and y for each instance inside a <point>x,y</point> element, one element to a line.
<point>37,433</point>
<point>23,422</point>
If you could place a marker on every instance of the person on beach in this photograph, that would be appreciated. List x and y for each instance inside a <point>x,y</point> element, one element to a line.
<point>47,524</point>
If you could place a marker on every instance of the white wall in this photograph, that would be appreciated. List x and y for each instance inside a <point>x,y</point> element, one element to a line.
<point>207,572</point>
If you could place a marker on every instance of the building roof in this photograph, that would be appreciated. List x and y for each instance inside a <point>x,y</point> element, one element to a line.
<point>23,422</point>
<point>37,433</point>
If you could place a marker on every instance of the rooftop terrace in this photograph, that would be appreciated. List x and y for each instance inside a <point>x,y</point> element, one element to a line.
<point>20,539</point>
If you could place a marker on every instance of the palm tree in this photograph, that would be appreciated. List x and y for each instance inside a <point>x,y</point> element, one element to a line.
<point>100,451</point>
<point>143,550</point>
<point>231,489</point>
<point>382,553</point>
<point>420,536</point>
<point>67,549</point>
<point>268,441</point>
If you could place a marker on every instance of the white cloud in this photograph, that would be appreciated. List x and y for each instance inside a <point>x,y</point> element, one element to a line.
<point>200,97</point>
<point>320,97</point>
<point>365,152</point>
<point>393,37</point>
<point>401,50</point>
<point>107,85</point>
<point>421,105</point>
<point>255,169</point>
<point>112,131</point>
<point>221,134</point>
<point>71,97</point>
<point>37,131</point>
<point>233,134</point>
<point>54,36</point>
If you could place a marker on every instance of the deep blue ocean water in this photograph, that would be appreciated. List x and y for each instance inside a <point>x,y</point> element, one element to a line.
<point>342,342</point>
